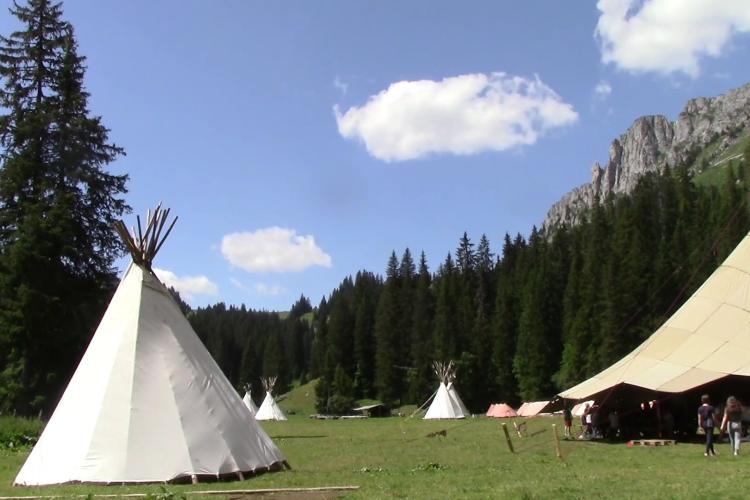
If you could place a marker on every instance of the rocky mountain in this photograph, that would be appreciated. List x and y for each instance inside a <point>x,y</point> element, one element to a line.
<point>710,124</point>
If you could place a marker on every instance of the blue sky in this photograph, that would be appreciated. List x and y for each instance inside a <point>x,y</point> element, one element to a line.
<point>302,141</point>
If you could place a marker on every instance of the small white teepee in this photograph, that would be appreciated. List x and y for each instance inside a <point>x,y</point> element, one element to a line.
<point>456,398</point>
<point>269,410</point>
<point>248,400</point>
<point>147,402</point>
<point>446,403</point>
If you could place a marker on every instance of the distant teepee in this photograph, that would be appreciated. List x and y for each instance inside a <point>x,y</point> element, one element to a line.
<point>248,400</point>
<point>147,402</point>
<point>269,410</point>
<point>446,403</point>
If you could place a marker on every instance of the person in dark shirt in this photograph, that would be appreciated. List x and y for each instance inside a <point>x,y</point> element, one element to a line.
<point>706,421</point>
<point>568,419</point>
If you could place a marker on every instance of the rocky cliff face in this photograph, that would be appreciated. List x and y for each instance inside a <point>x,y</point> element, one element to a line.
<point>652,143</point>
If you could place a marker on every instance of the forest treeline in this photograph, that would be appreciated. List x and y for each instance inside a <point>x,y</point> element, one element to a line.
<point>521,322</point>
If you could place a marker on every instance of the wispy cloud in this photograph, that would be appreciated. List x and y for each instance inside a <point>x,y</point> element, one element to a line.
<point>602,90</point>
<point>259,288</point>
<point>188,286</point>
<point>668,36</point>
<point>274,249</point>
<point>460,115</point>
<point>272,290</point>
<point>341,85</point>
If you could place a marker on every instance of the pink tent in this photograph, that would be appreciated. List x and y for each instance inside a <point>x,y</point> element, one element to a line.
<point>531,409</point>
<point>501,410</point>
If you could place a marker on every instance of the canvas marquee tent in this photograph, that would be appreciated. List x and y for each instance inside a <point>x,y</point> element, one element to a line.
<point>531,409</point>
<point>707,339</point>
<point>269,410</point>
<point>580,408</point>
<point>446,403</point>
<point>147,402</point>
<point>501,410</point>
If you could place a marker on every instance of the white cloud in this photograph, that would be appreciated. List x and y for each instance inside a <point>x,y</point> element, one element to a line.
<point>275,249</point>
<point>668,36</point>
<point>461,115</point>
<point>272,290</point>
<point>603,89</point>
<point>188,286</point>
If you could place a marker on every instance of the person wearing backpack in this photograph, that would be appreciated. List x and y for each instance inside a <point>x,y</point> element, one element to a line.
<point>732,423</point>
<point>706,419</point>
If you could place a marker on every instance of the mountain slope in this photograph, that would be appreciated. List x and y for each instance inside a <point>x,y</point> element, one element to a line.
<point>704,130</point>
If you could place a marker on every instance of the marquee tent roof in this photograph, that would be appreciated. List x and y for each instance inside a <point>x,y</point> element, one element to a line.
<point>707,339</point>
<point>531,409</point>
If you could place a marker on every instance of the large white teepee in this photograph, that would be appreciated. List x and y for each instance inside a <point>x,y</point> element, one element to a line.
<point>147,402</point>
<point>446,403</point>
<point>248,400</point>
<point>269,410</point>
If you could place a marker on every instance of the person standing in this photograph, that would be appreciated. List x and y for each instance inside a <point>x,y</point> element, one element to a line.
<point>706,422</point>
<point>732,423</point>
<point>586,421</point>
<point>568,419</point>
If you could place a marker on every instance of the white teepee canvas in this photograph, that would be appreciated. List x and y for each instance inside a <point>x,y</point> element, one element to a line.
<point>456,398</point>
<point>249,403</point>
<point>269,410</point>
<point>147,402</point>
<point>446,403</point>
<point>443,405</point>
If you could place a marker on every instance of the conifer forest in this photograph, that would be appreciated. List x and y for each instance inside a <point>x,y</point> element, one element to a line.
<point>521,315</point>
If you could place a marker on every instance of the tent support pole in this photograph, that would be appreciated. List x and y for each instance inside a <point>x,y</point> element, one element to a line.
<point>507,438</point>
<point>557,442</point>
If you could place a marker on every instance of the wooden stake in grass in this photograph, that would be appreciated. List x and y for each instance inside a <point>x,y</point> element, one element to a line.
<point>557,441</point>
<point>507,438</point>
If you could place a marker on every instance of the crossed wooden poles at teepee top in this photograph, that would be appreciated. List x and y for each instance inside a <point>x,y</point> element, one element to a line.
<point>446,372</point>
<point>268,383</point>
<point>143,246</point>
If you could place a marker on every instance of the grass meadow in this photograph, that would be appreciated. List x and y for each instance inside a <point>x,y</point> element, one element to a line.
<point>394,458</point>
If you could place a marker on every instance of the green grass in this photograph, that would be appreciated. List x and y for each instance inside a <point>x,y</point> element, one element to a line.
<point>393,458</point>
<point>18,432</point>
<point>716,175</point>
<point>300,400</point>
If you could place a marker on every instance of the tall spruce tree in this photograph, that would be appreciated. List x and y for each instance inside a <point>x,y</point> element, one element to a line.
<point>407,284</point>
<point>505,319</point>
<point>421,349</point>
<point>445,342</point>
<point>57,206</point>
<point>387,319</point>
<point>366,286</point>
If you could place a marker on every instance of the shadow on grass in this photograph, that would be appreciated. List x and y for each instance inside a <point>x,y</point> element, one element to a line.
<point>308,436</point>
